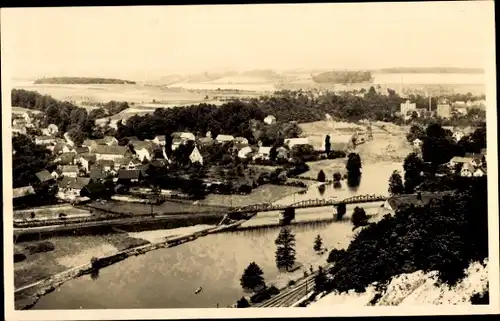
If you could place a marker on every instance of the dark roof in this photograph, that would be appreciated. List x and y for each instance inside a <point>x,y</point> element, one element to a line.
<point>70,168</point>
<point>81,150</point>
<point>79,182</point>
<point>44,176</point>
<point>106,162</point>
<point>65,158</point>
<point>95,188</point>
<point>96,173</point>
<point>142,144</point>
<point>129,174</point>
<point>110,150</point>
<point>65,181</point>
<point>399,200</point>
<point>158,162</point>
<point>133,139</point>
<point>90,157</point>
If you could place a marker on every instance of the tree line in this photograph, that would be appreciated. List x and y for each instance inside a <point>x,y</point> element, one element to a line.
<point>81,80</point>
<point>343,77</point>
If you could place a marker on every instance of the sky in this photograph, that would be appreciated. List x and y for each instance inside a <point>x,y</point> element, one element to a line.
<point>132,41</point>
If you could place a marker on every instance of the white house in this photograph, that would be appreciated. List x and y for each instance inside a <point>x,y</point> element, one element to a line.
<point>160,140</point>
<point>86,160</point>
<point>195,156</point>
<point>290,142</point>
<point>70,170</point>
<point>224,138</point>
<point>459,160</point>
<point>179,138</point>
<point>458,135</point>
<point>417,143</point>
<point>479,172</point>
<point>263,153</point>
<point>270,119</point>
<point>44,140</point>
<point>407,107</point>
<point>243,153</point>
<point>467,170</point>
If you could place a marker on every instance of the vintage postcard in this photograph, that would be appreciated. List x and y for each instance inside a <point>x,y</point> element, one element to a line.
<point>224,161</point>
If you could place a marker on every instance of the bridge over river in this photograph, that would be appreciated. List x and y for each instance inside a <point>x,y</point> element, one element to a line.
<point>268,207</point>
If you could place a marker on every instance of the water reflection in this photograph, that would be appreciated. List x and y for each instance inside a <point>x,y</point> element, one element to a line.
<point>337,185</point>
<point>321,189</point>
<point>94,275</point>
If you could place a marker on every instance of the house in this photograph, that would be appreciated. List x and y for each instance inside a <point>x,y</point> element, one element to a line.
<point>106,165</point>
<point>160,140</point>
<point>93,190</point>
<point>129,175</point>
<point>179,138</point>
<point>22,192</point>
<point>65,159</point>
<point>290,142</point>
<point>460,110</point>
<point>44,176</point>
<point>407,107</point>
<point>243,153</point>
<point>270,119</point>
<point>86,160</point>
<point>70,170</point>
<point>195,156</point>
<point>393,203</point>
<point>82,150</point>
<point>121,163</point>
<point>263,153</point>
<point>67,148</point>
<point>133,164</point>
<point>55,175</point>
<point>44,140</point>
<point>240,142</point>
<point>52,129</point>
<point>96,173</point>
<point>68,139</point>
<point>444,110</point>
<point>110,152</point>
<point>71,187</point>
<point>107,140</point>
<point>16,129</point>
<point>78,184</point>
<point>458,134</point>
<point>459,160</point>
<point>221,139</point>
<point>283,153</point>
<point>417,143</point>
<point>479,172</point>
<point>204,141</point>
<point>467,170</point>
<point>20,122</point>
<point>144,150</point>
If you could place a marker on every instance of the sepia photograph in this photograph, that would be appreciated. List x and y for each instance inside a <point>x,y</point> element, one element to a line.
<point>337,158</point>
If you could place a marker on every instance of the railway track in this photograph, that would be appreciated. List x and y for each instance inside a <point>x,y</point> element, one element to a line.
<point>291,295</point>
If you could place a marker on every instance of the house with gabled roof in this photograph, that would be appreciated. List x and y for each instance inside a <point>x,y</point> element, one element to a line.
<point>179,138</point>
<point>107,140</point>
<point>106,165</point>
<point>195,155</point>
<point>240,142</point>
<point>44,140</point>
<point>467,170</point>
<point>243,153</point>
<point>70,170</point>
<point>133,163</point>
<point>122,163</point>
<point>65,159</point>
<point>160,140</point>
<point>144,150</point>
<point>221,139</point>
<point>21,192</point>
<point>291,142</point>
<point>263,153</point>
<point>110,152</point>
<point>87,159</point>
<point>82,150</point>
<point>44,176</point>
<point>479,172</point>
<point>96,173</point>
<point>129,175</point>
<point>459,160</point>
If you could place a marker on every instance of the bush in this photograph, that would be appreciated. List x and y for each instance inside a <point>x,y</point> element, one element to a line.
<point>291,282</point>
<point>272,290</point>
<point>259,297</point>
<point>359,217</point>
<point>337,177</point>
<point>336,256</point>
<point>321,176</point>
<point>19,257</point>
<point>242,303</point>
<point>480,298</point>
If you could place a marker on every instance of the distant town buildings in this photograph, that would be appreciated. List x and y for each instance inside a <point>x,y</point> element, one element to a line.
<point>407,107</point>
<point>444,110</point>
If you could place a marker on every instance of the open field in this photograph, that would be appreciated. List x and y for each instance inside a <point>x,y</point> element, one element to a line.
<point>262,194</point>
<point>168,207</point>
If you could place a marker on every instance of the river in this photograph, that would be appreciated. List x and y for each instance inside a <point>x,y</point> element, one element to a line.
<point>167,278</point>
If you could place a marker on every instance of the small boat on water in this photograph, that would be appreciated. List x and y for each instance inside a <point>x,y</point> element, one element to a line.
<point>198,290</point>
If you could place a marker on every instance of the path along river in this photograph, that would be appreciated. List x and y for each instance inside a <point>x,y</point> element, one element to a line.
<point>167,278</point>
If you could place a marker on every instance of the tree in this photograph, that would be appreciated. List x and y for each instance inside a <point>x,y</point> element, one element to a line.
<point>242,303</point>
<point>320,281</point>
<point>288,215</point>
<point>318,243</point>
<point>359,217</point>
<point>337,177</point>
<point>328,145</point>
<point>273,153</point>
<point>321,176</point>
<point>396,184</point>
<point>353,164</point>
<point>252,277</point>
<point>413,166</point>
<point>341,210</point>
<point>285,249</point>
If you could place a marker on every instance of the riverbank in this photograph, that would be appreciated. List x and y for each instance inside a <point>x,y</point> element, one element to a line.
<point>120,246</point>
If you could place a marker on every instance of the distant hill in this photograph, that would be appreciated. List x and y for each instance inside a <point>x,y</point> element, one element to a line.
<point>81,80</point>
<point>343,77</point>
<point>430,70</point>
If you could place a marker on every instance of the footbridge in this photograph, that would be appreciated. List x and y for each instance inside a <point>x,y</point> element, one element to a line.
<point>268,207</point>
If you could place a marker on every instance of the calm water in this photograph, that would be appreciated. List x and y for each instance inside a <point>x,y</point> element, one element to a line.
<point>167,278</point>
